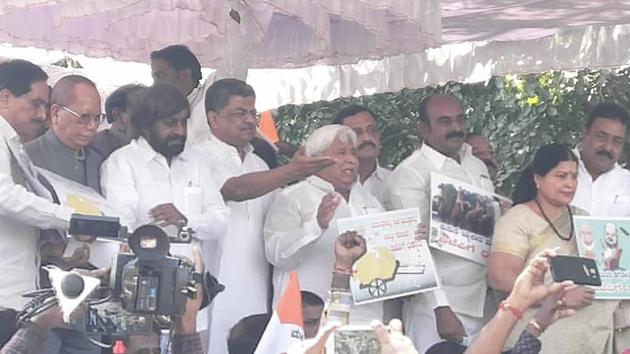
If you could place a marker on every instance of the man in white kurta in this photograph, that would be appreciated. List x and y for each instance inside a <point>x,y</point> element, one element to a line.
<point>463,282</point>
<point>296,236</point>
<point>238,261</point>
<point>603,188</point>
<point>152,180</point>
<point>25,203</point>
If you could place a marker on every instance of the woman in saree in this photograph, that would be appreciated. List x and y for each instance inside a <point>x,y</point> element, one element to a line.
<point>542,218</point>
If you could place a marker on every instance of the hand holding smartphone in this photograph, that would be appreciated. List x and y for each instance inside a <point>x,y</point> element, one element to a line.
<point>582,271</point>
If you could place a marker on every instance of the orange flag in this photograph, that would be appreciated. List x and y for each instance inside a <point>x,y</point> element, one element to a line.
<point>286,326</point>
<point>267,126</point>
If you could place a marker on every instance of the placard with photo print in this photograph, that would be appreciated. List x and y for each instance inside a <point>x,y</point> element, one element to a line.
<point>463,217</point>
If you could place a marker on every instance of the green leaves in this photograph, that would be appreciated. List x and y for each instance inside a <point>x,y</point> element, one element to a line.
<point>517,113</point>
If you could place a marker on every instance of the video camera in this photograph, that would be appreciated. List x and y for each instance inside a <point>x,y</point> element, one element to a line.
<point>146,286</point>
<point>109,228</point>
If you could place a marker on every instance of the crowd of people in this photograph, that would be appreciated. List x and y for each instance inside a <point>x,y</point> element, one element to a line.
<point>184,153</point>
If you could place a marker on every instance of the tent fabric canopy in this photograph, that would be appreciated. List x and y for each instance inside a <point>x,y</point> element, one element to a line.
<point>300,51</point>
<point>277,33</point>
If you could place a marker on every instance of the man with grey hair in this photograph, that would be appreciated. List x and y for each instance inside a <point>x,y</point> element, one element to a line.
<point>300,230</point>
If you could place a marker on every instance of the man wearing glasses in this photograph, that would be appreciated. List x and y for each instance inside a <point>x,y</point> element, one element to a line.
<point>75,115</point>
<point>64,149</point>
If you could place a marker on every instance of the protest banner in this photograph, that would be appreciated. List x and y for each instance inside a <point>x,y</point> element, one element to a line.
<point>463,217</point>
<point>604,240</point>
<point>396,263</point>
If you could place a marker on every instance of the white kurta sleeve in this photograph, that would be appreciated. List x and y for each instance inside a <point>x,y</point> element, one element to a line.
<point>288,232</point>
<point>118,187</point>
<point>211,223</point>
<point>410,190</point>
<point>20,204</point>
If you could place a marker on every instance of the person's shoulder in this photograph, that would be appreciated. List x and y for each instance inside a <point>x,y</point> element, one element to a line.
<point>517,212</point>
<point>127,152</point>
<point>296,189</point>
<point>578,211</point>
<point>204,149</point>
<point>255,162</point>
<point>414,165</point>
<point>34,146</point>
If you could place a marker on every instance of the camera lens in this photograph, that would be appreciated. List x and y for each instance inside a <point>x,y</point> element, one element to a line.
<point>72,286</point>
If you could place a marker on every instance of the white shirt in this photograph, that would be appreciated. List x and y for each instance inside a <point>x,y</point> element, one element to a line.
<point>136,178</point>
<point>198,129</point>
<point>22,212</point>
<point>463,282</point>
<point>607,196</point>
<point>377,185</point>
<point>295,241</point>
<point>239,259</point>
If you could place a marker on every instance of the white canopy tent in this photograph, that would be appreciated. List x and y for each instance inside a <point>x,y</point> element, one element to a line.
<point>299,51</point>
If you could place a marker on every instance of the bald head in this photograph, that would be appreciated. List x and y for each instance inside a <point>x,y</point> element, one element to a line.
<point>63,91</point>
<point>75,111</point>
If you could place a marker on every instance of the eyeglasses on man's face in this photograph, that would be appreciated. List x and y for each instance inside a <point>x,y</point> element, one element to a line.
<point>86,119</point>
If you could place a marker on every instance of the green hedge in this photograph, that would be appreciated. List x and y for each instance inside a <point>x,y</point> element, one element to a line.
<point>517,113</point>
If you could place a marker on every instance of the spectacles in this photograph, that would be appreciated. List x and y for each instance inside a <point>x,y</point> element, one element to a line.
<point>86,119</point>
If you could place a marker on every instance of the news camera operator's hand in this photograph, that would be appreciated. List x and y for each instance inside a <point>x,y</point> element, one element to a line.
<point>327,208</point>
<point>530,288</point>
<point>188,322</point>
<point>349,247</point>
<point>79,258</point>
<point>167,214</point>
<point>49,319</point>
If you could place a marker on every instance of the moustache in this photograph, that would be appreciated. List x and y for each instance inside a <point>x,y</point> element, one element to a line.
<point>605,153</point>
<point>457,134</point>
<point>367,143</point>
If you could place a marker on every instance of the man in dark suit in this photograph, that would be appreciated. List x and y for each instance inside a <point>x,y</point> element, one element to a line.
<point>64,149</point>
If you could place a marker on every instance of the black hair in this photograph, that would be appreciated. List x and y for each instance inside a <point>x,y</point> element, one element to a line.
<point>158,102</point>
<point>246,334</point>
<point>122,98</point>
<point>311,299</point>
<point>547,158</point>
<point>350,111</point>
<point>63,91</point>
<point>423,107</point>
<point>607,110</point>
<point>180,57</point>
<point>18,75</point>
<point>219,93</point>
